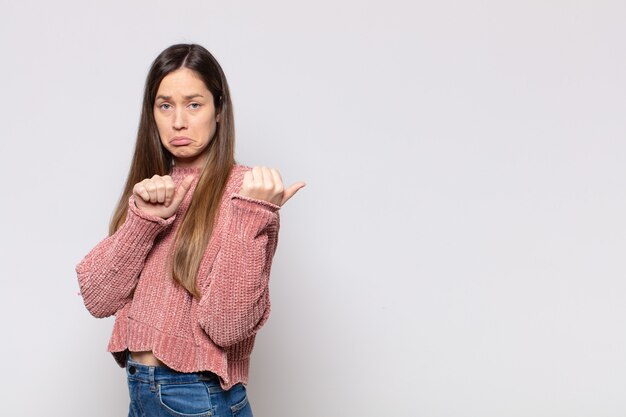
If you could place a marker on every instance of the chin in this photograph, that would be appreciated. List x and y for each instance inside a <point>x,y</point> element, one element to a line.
<point>183,154</point>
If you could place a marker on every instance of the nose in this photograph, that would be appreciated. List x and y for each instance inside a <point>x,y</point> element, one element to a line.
<point>180,119</point>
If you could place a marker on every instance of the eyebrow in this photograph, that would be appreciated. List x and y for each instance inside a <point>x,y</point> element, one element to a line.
<point>189,97</point>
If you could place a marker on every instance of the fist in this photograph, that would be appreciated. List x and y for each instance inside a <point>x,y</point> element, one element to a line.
<point>264,183</point>
<point>158,196</point>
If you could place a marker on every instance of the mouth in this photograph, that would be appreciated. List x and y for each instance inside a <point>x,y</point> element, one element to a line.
<point>180,141</point>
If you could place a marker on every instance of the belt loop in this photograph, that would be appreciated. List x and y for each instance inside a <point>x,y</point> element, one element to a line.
<point>151,378</point>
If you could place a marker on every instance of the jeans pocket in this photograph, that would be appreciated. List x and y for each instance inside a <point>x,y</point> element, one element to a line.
<point>186,399</point>
<point>239,400</point>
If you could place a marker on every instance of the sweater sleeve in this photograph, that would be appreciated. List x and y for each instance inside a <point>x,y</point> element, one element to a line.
<point>236,302</point>
<point>108,274</point>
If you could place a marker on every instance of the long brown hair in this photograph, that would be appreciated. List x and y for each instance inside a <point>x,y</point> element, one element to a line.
<point>150,158</point>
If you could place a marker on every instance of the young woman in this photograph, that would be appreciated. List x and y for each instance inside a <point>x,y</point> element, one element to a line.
<point>186,265</point>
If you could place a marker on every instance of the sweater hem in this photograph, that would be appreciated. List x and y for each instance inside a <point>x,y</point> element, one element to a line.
<point>178,353</point>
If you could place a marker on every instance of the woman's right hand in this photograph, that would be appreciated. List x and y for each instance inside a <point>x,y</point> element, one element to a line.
<point>158,195</point>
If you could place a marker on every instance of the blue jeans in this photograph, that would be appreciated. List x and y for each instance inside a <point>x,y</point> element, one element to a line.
<point>157,391</point>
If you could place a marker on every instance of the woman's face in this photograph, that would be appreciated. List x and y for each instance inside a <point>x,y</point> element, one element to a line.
<point>185,117</point>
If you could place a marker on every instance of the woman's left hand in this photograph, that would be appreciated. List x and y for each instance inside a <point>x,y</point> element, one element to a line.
<point>264,183</point>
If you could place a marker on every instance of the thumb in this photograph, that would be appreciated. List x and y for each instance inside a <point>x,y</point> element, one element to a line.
<point>293,189</point>
<point>182,190</point>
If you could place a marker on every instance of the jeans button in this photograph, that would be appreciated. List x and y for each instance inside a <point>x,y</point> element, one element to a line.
<point>132,369</point>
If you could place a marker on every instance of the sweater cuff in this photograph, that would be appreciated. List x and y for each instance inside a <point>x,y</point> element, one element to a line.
<point>137,216</point>
<point>254,204</point>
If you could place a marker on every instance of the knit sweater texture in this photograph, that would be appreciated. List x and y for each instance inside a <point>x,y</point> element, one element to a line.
<point>128,274</point>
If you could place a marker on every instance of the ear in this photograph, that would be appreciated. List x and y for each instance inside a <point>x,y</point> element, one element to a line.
<point>217,117</point>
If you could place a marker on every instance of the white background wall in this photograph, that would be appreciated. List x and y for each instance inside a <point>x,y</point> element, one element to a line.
<point>459,247</point>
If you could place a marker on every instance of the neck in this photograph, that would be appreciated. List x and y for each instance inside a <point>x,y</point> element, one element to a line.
<point>195,162</point>
<point>179,164</point>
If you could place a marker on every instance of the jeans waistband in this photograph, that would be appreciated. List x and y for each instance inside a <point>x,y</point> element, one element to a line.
<point>156,373</point>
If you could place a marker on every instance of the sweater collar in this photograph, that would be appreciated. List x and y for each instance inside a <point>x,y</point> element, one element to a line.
<point>183,171</point>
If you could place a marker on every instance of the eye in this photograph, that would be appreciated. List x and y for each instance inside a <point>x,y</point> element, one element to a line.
<point>164,106</point>
<point>195,105</point>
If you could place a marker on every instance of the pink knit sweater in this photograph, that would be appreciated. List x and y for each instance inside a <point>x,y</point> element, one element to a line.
<point>127,274</point>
